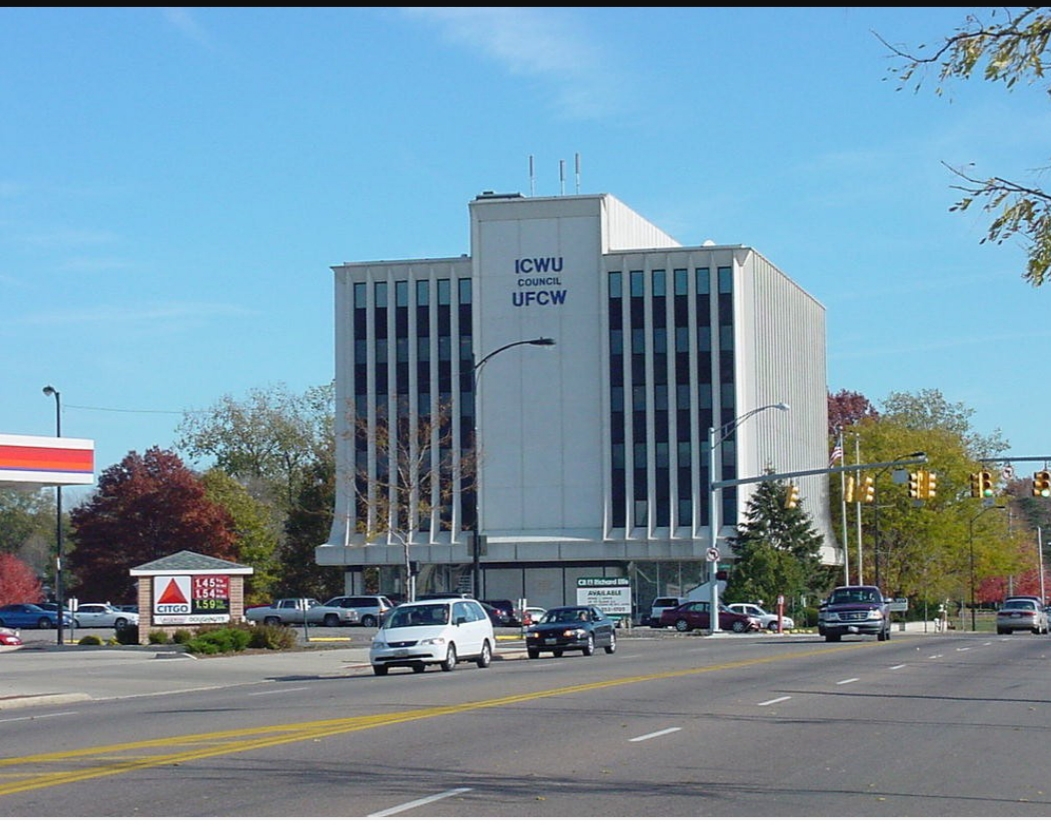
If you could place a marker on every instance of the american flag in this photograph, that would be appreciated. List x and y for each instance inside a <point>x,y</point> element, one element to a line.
<point>837,453</point>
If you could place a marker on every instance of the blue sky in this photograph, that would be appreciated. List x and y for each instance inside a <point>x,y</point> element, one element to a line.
<point>176,183</point>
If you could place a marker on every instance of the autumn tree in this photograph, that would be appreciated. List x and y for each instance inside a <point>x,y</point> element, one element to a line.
<point>27,526</point>
<point>846,409</point>
<point>18,581</point>
<point>1011,46</point>
<point>143,508</point>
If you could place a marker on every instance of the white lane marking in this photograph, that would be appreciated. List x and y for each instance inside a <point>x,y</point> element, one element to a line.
<point>774,700</point>
<point>846,681</point>
<point>416,803</point>
<point>36,718</point>
<point>655,735</point>
<point>899,666</point>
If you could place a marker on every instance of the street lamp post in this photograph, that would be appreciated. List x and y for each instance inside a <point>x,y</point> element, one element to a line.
<point>875,494</point>
<point>50,390</point>
<point>476,535</point>
<point>716,436</point>
<point>970,534</point>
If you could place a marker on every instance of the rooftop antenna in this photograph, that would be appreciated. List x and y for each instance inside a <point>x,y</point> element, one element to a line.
<point>578,173</point>
<point>532,177</point>
<point>561,177</point>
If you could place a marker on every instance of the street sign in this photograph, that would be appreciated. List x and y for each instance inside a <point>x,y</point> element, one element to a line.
<point>713,555</point>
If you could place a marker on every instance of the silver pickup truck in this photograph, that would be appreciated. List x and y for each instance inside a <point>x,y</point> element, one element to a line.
<point>854,610</point>
<point>289,611</point>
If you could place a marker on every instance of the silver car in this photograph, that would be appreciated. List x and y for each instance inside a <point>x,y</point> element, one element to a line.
<point>1021,614</point>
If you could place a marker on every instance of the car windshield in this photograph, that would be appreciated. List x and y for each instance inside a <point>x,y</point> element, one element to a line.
<point>854,596</point>
<point>565,616</point>
<point>437,615</point>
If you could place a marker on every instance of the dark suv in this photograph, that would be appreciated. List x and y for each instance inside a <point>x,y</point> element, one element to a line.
<point>508,613</point>
<point>854,610</point>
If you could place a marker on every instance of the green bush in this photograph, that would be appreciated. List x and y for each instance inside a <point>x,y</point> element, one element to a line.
<point>271,637</point>
<point>90,640</point>
<point>128,636</point>
<point>216,641</point>
<point>157,637</point>
<point>182,636</point>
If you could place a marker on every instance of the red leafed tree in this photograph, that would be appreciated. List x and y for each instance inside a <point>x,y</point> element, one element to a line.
<point>144,508</point>
<point>18,582</point>
<point>846,408</point>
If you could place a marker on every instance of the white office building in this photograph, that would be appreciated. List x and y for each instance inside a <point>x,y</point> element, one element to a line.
<point>592,453</point>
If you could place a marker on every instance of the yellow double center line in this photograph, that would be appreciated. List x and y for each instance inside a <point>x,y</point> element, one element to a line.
<point>117,759</point>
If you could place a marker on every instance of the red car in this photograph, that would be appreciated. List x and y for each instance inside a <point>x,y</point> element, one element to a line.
<point>694,615</point>
<point>9,637</point>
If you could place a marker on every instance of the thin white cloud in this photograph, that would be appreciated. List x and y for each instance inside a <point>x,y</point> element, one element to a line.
<point>174,313</point>
<point>181,19</point>
<point>545,43</point>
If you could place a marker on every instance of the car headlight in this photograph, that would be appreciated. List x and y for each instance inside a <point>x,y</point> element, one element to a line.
<point>432,641</point>
<point>875,614</point>
<point>575,633</point>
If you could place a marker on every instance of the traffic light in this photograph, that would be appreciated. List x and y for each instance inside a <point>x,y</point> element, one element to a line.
<point>976,485</point>
<point>930,484</point>
<point>848,492</point>
<point>1042,483</point>
<point>916,484</point>
<point>868,490</point>
<point>986,484</point>
<point>791,496</point>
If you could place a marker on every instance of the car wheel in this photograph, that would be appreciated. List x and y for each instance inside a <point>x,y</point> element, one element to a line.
<point>449,664</point>
<point>739,626</point>
<point>612,643</point>
<point>486,657</point>
<point>1001,631</point>
<point>681,625</point>
<point>589,647</point>
<point>118,624</point>
<point>331,620</point>
<point>379,669</point>
<point>44,623</point>
<point>830,638</point>
<point>368,620</point>
<point>533,653</point>
<point>271,621</point>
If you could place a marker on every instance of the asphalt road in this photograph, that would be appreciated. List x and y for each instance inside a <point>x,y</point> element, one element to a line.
<point>668,726</point>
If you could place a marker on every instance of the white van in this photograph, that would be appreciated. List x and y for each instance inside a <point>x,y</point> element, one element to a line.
<point>442,632</point>
<point>662,604</point>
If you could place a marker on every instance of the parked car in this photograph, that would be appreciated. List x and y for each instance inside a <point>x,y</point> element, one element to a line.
<point>508,612</point>
<point>68,620</point>
<point>532,614</point>
<point>496,616</point>
<point>1021,614</point>
<point>767,620</point>
<point>854,610</point>
<point>694,615</point>
<point>27,616</point>
<point>103,615</point>
<point>371,608</point>
<point>660,606</point>
<point>9,637</point>
<point>443,632</point>
<point>566,628</point>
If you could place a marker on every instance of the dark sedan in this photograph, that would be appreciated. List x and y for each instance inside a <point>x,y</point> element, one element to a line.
<point>694,615</point>
<point>27,616</point>
<point>567,628</point>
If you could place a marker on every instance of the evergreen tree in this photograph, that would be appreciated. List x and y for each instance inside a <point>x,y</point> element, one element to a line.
<point>777,550</point>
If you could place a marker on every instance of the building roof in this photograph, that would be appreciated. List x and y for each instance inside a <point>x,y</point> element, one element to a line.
<point>189,562</point>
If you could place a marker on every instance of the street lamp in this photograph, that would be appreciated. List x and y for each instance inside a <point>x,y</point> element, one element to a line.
<point>919,454</point>
<point>970,533</point>
<point>723,432</point>
<point>476,542</point>
<point>50,390</point>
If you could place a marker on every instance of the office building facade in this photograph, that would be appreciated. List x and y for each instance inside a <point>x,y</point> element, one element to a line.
<point>584,458</point>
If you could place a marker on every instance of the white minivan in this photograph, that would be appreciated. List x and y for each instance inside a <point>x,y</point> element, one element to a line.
<point>443,632</point>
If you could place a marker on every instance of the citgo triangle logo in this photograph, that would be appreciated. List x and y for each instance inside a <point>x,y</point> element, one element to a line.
<point>172,595</point>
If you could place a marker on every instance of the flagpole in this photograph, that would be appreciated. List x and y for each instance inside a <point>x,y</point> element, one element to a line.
<point>843,507</point>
